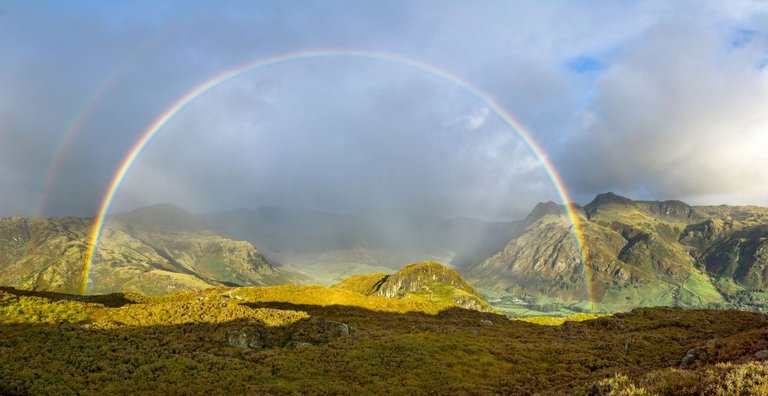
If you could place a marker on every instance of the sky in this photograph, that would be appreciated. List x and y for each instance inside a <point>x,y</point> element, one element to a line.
<point>651,100</point>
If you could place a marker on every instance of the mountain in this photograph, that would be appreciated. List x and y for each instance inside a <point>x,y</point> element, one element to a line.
<point>153,250</point>
<point>330,247</point>
<point>317,340</point>
<point>426,280</point>
<point>637,253</point>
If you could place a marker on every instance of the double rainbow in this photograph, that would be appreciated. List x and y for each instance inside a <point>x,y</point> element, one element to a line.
<point>180,104</point>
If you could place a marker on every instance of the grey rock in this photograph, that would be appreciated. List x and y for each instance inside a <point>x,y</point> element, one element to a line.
<point>247,338</point>
<point>336,328</point>
<point>689,358</point>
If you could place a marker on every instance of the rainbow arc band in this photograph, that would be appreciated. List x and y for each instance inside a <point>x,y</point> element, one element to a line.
<point>181,103</point>
<point>84,112</point>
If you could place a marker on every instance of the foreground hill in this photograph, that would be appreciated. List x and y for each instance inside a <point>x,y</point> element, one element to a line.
<point>154,250</point>
<point>426,280</point>
<point>293,339</point>
<point>639,253</point>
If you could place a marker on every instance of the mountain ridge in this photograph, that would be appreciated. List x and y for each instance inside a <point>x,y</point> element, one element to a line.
<point>638,253</point>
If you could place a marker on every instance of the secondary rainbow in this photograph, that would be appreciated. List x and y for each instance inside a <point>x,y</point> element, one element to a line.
<point>180,104</point>
<point>83,114</point>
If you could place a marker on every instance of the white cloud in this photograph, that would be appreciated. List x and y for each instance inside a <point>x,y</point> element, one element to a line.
<point>680,114</point>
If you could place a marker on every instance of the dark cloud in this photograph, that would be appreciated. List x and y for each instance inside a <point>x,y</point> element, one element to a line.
<point>655,99</point>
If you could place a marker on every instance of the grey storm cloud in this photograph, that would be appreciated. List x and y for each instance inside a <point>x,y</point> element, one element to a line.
<point>654,100</point>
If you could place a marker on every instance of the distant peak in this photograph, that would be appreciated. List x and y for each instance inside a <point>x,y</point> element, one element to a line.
<point>161,209</point>
<point>543,209</point>
<point>604,199</point>
<point>164,215</point>
<point>610,197</point>
<point>166,206</point>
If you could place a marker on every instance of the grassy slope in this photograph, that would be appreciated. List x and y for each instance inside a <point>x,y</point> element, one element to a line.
<point>365,284</point>
<point>179,343</point>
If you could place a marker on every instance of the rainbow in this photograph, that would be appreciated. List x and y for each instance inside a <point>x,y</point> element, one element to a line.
<point>65,141</point>
<point>83,113</point>
<point>181,103</point>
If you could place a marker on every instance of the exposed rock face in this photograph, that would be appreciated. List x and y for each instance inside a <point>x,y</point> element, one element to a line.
<point>544,257</point>
<point>741,255</point>
<point>153,251</point>
<point>671,209</point>
<point>428,280</point>
<point>415,277</point>
<point>707,230</point>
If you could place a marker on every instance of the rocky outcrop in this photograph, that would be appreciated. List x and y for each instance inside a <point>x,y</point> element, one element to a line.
<point>741,256</point>
<point>427,280</point>
<point>545,258</point>
<point>415,277</point>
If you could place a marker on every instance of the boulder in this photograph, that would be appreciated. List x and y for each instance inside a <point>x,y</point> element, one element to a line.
<point>689,358</point>
<point>246,338</point>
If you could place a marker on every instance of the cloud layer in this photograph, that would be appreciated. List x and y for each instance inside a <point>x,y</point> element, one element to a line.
<point>653,100</point>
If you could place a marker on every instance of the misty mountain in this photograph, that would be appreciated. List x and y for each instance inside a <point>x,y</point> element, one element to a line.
<point>376,237</point>
<point>637,253</point>
<point>153,250</point>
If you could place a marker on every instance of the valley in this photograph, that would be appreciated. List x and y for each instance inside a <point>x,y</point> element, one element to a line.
<point>638,253</point>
